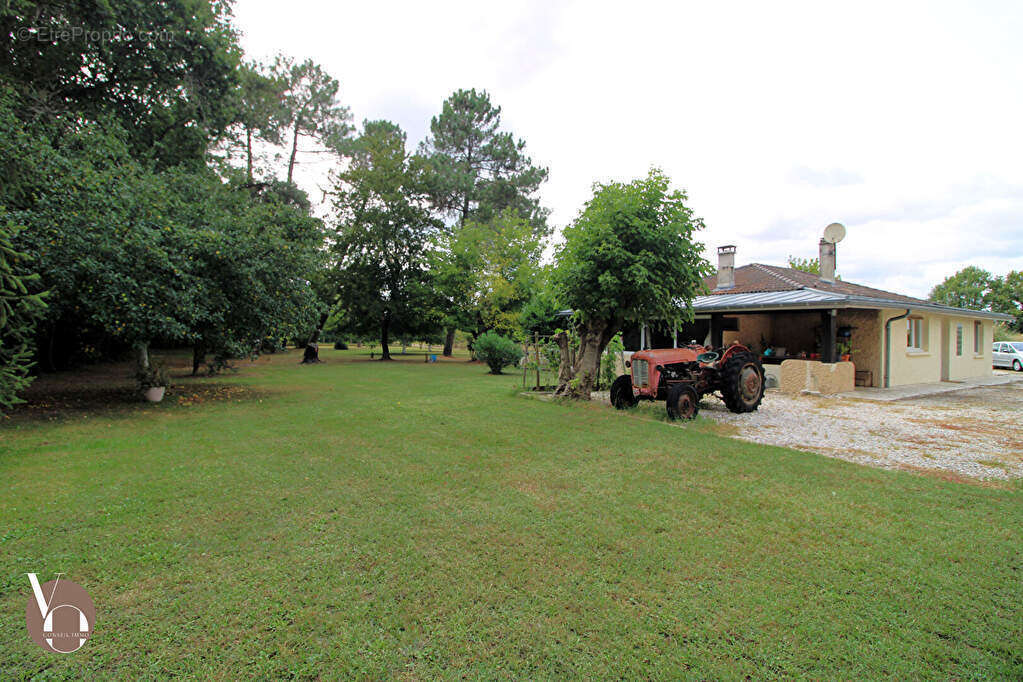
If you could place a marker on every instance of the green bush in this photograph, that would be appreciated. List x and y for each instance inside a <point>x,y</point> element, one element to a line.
<point>497,351</point>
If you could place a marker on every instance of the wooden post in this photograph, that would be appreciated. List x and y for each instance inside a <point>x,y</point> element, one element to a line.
<point>536,348</point>
<point>717,332</point>
<point>829,330</point>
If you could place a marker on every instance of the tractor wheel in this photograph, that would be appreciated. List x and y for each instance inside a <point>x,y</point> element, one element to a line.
<point>742,382</point>
<point>683,402</point>
<point>622,396</point>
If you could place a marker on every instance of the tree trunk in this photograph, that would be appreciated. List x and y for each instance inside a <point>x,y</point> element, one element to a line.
<point>311,354</point>
<point>565,369</point>
<point>449,342</point>
<point>248,153</point>
<point>593,339</point>
<point>142,356</point>
<point>294,153</point>
<point>198,356</point>
<point>315,338</point>
<point>385,329</point>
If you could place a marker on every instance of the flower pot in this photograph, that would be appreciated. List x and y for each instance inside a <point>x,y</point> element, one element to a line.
<point>155,394</point>
<point>847,357</point>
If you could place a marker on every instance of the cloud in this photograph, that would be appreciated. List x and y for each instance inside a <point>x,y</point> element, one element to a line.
<point>824,177</point>
<point>906,130</point>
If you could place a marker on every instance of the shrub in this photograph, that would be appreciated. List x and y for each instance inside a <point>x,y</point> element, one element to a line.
<point>153,376</point>
<point>497,351</point>
<point>340,345</point>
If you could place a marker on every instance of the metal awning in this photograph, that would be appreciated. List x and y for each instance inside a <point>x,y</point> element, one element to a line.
<point>815,299</point>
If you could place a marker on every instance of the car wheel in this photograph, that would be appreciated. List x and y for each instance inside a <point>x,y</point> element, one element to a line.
<point>1016,365</point>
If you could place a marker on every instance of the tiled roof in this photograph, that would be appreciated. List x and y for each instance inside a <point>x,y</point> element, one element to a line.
<point>763,287</point>
<point>757,278</point>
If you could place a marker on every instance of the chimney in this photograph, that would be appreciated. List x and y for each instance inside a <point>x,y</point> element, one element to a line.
<point>827,262</point>
<point>726,267</point>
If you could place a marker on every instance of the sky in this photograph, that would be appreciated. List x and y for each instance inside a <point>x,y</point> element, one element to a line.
<point>903,121</point>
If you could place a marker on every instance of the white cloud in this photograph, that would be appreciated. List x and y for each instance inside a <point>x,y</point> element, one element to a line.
<point>899,120</point>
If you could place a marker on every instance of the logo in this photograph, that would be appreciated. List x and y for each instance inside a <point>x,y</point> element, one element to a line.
<point>60,615</point>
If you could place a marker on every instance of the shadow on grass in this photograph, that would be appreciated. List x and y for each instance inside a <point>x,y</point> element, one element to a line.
<point>108,389</point>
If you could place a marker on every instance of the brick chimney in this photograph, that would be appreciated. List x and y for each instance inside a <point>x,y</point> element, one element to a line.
<point>726,267</point>
<point>827,261</point>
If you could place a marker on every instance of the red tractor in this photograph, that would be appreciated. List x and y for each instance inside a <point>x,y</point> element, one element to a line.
<point>682,376</point>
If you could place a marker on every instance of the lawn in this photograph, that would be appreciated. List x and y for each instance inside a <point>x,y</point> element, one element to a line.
<point>417,520</point>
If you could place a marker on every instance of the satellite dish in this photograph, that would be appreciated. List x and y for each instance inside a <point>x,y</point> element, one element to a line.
<point>834,233</point>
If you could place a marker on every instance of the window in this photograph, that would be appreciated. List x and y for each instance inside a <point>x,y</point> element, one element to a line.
<point>915,334</point>
<point>959,339</point>
<point>978,337</point>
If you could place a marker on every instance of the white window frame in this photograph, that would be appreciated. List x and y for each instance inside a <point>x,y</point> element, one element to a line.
<point>915,341</point>
<point>959,340</point>
<point>978,337</point>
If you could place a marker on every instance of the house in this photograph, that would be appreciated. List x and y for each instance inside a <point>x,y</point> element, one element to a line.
<point>891,339</point>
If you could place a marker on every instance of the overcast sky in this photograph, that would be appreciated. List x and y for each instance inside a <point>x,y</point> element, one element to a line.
<point>901,120</point>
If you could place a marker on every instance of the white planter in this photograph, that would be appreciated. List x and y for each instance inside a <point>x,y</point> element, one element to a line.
<point>155,394</point>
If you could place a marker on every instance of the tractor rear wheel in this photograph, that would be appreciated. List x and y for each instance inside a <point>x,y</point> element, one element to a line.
<point>742,382</point>
<point>683,402</point>
<point>622,396</point>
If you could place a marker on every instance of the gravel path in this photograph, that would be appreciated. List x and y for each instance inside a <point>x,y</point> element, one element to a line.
<point>976,433</point>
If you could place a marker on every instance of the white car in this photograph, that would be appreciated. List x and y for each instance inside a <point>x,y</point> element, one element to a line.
<point>1008,354</point>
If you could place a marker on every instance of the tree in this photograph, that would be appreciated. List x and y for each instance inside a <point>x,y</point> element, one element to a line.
<point>20,309</point>
<point>811,265</point>
<point>163,71</point>
<point>311,108</point>
<point>629,257</point>
<point>383,239</point>
<point>541,313</point>
<point>476,171</point>
<point>487,271</point>
<point>1006,296</point>
<point>260,114</point>
<point>969,288</point>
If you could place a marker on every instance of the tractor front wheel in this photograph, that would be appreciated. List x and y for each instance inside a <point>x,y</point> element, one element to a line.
<point>742,382</point>
<point>683,402</point>
<point>622,396</point>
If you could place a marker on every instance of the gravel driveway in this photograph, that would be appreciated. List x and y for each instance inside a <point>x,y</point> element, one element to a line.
<point>976,432</point>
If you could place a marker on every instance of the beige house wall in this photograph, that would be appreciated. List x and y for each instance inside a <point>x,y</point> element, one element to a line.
<point>969,364</point>
<point>910,366</point>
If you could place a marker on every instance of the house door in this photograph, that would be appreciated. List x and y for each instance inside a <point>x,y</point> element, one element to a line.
<point>946,351</point>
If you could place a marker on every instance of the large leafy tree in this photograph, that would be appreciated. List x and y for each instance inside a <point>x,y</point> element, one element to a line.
<point>475,172</point>
<point>383,239</point>
<point>254,261</point>
<point>1006,296</point>
<point>629,257</point>
<point>163,71</point>
<point>311,108</point>
<point>489,270</point>
<point>138,256</point>
<point>20,309</point>
<point>968,288</point>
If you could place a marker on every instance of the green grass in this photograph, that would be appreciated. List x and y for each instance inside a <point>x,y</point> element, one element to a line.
<point>421,520</point>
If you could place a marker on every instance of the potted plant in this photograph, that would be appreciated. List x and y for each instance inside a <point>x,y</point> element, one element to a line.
<point>844,350</point>
<point>152,382</point>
